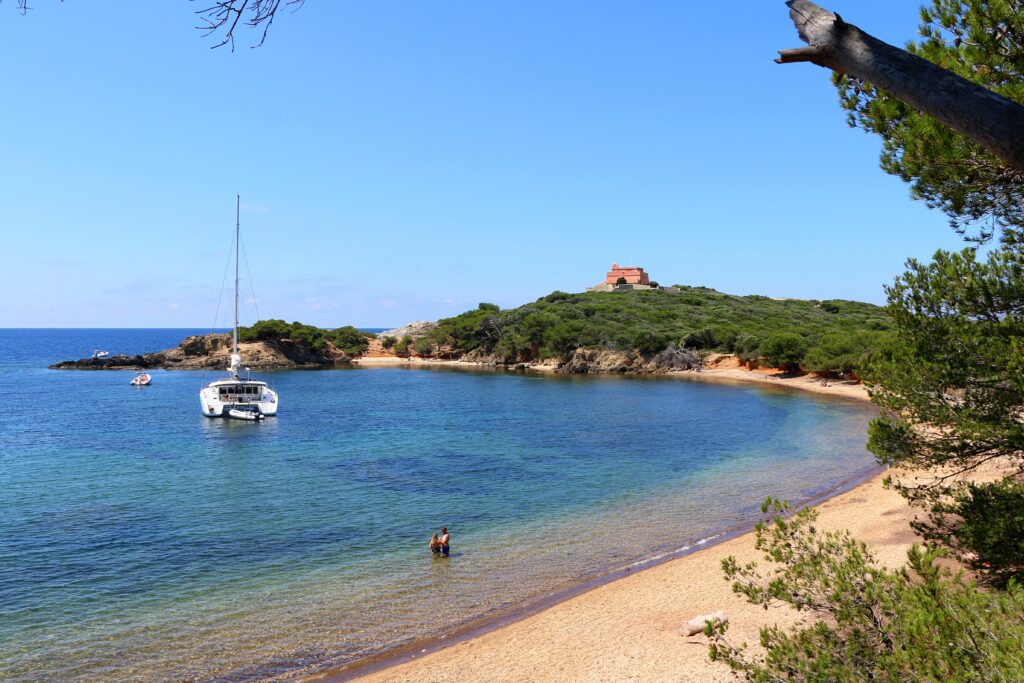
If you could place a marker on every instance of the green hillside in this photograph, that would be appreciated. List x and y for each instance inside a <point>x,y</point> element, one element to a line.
<point>821,336</point>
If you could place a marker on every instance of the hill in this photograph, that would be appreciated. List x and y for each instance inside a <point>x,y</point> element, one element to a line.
<point>819,336</point>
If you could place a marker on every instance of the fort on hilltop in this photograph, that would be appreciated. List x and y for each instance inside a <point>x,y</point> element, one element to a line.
<point>624,278</point>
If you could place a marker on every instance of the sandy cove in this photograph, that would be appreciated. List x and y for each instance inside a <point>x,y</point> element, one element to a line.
<point>628,629</point>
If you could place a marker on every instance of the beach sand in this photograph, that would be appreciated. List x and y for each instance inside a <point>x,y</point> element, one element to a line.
<point>774,378</point>
<point>628,629</point>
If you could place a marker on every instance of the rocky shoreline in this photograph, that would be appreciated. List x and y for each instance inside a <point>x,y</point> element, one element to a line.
<point>212,352</point>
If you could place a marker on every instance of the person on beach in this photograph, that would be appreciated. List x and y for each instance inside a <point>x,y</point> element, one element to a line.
<point>444,542</point>
<point>435,545</point>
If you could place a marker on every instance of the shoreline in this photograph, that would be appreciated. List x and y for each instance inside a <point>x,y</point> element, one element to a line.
<point>769,378</point>
<point>413,661</point>
<point>492,647</point>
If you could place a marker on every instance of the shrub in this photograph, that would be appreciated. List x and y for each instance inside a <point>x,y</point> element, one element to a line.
<point>350,340</point>
<point>916,623</point>
<point>784,350</point>
<point>488,307</point>
<point>701,339</point>
<point>388,342</point>
<point>402,347</point>
<point>983,524</point>
<point>747,346</point>
<point>840,354</point>
<point>649,343</point>
<point>556,296</point>
<point>423,346</point>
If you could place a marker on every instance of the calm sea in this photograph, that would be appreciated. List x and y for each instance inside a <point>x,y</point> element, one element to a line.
<point>142,541</point>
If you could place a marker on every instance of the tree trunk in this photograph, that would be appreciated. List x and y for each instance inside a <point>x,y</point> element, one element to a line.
<point>993,121</point>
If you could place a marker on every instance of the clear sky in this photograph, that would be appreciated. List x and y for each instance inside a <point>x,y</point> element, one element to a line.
<point>404,160</point>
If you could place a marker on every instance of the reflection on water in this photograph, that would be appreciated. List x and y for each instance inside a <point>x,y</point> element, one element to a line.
<point>150,542</point>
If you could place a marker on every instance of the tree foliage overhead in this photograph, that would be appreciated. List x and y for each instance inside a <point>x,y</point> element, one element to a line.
<point>956,365</point>
<point>982,41</point>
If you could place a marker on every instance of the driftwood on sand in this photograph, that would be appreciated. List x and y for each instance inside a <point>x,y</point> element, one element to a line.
<point>698,624</point>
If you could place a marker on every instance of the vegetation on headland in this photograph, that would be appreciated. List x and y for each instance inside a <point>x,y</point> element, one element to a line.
<point>830,337</point>
<point>951,386</point>
<point>347,339</point>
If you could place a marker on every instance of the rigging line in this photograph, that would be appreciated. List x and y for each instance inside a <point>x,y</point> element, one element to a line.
<point>224,279</point>
<point>248,273</point>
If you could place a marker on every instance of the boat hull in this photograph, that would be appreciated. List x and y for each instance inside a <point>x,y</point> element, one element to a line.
<point>213,406</point>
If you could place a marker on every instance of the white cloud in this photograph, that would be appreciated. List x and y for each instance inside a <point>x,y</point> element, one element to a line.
<point>254,208</point>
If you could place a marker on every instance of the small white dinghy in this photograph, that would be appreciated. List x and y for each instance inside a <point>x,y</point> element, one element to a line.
<point>141,380</point>
<point>243,414</point>
<point>100,354</point>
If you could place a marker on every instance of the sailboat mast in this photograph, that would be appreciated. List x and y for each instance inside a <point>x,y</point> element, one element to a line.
<point>238,204</point>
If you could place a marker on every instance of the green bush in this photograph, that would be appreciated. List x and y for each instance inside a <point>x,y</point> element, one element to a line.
<point>402,347</point>
<point>784,350</point>
<point>868,623</point>
<point>840,355</point>
<point>701,339</point>
<point>388,342</point>
<point>423,346</point>
<point>350,340</point>
<point>649,343</point>
<point>983,524</point>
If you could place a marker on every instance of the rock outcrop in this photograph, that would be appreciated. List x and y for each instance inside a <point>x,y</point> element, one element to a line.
<point>213,351</point>
<point>633,362</point>
<point>414,330</point>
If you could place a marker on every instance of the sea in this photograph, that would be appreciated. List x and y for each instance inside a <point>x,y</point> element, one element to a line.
<point>140,540</point>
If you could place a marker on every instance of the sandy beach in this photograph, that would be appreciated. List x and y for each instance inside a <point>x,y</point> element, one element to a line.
<point>728,372</point>
<point>628,629</point>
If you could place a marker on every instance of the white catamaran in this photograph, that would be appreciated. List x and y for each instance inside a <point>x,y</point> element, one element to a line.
<point>243,399</point>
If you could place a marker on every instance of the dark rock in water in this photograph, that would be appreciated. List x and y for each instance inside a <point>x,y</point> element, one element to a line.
<point>119,362</point>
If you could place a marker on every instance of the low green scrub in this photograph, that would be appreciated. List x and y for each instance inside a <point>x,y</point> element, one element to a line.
<point>347,339</point>
<point>983,525</point>
<point>826,336</point>
<point>868,623</point>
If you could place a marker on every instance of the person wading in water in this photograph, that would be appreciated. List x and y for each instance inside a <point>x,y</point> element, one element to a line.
<point>444,541</point>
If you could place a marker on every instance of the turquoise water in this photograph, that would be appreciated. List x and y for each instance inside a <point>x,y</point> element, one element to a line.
<point>142,541</point>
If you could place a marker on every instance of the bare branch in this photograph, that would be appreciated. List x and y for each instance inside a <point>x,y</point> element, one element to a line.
<point>227,14</point>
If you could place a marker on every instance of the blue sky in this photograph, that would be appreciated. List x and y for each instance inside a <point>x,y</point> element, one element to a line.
<point>405,160</point>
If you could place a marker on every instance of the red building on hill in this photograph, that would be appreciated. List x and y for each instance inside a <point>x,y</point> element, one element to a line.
<point>633,275</point>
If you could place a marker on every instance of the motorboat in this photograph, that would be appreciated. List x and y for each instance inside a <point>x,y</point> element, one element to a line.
<point>100,354</point>
<point>141,380</point>
<point>231,395</point>
<point>250,414</point>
